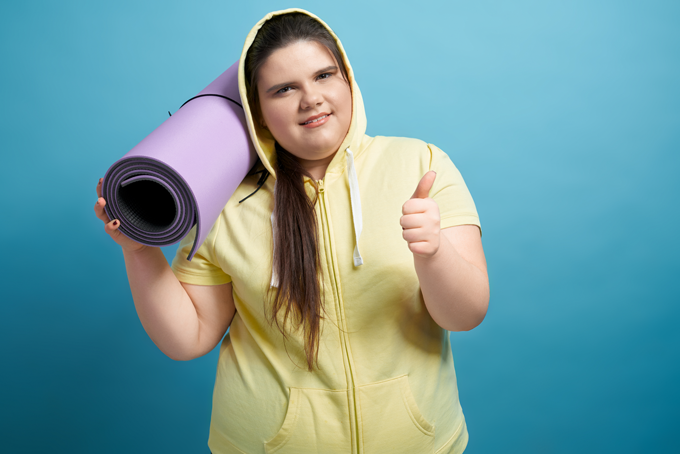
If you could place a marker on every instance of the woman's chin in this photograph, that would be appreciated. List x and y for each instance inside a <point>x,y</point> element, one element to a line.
<point>316,153</point>
<point>315,148</point>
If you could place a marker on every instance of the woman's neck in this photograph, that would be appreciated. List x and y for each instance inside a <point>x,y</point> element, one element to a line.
<point>316,167</point>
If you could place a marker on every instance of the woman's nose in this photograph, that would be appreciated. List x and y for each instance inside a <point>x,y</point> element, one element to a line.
<point>310,99</point>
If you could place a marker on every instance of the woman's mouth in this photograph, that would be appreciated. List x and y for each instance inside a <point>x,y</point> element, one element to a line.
<point>318,121</point>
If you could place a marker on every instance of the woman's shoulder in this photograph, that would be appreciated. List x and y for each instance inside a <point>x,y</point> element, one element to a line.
<point>395,141</point>
<point>393,147</point>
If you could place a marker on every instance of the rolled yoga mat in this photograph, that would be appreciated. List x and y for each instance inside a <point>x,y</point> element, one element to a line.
<point>185,171</point>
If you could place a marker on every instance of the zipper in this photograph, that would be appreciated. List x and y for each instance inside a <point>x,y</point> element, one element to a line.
<point>330,260</point>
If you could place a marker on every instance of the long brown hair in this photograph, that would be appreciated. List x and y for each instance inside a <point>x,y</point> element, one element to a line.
<point>296,256</point>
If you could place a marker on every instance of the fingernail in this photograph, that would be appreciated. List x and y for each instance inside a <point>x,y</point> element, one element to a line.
<point>115,223</point>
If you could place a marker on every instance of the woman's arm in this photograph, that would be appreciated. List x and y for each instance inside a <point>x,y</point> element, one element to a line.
<point>454,280</point>
<point>184,321</point>
<point>450,263</point>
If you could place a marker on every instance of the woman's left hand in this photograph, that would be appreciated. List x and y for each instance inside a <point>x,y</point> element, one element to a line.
<point>420,220</point>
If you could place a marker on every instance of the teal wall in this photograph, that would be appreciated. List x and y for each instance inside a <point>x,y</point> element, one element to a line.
<point>562,116</point>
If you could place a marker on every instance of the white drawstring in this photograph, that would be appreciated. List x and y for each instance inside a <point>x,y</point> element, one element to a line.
<point>275,278</point>
<point>355,198</point>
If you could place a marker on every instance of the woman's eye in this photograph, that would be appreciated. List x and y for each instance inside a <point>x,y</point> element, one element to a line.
<point>283,90</point>
<point>324,75</point>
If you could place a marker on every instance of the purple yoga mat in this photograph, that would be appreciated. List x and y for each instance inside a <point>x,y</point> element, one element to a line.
<point>185,171</point>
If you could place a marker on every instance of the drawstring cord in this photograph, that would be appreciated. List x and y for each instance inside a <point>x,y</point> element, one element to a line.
<point>357,218</point>
<point>260,182</point>
<point>355,198</point>
<point>209,94</point>
<point>275,277</point>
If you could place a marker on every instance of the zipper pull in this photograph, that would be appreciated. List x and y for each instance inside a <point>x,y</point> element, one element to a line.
<point>320,183</point>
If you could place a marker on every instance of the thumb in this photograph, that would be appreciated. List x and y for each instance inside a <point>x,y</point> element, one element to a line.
<point>424,186</point>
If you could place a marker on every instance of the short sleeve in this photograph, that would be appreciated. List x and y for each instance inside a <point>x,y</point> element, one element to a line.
<point>456,206</point>
<point>203,269</point>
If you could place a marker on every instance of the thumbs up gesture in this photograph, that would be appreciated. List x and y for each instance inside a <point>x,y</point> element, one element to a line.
<point>420,220</point>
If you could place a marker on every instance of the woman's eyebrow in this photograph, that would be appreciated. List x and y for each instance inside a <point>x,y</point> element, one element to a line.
<point>326,69</point>
<point>321,71</point>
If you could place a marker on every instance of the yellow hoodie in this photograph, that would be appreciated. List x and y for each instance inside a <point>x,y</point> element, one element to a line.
<point>386,381</point>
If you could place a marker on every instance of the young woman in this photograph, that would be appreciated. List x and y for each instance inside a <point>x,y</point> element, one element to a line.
<point>340,276</point>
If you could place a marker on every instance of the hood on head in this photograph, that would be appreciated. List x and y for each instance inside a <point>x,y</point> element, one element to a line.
<point>262,139</point>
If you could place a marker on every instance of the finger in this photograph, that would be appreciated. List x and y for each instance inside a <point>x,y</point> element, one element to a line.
<point>411,221</point>
<point>422,248</point>
<point>99,210</point>
<point>413,206</point>
<point>414,235</point>
<point>112,228</point>
<point>424,186</point>
<point>99,187</point>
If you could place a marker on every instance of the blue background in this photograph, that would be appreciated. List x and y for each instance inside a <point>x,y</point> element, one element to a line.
<point>562,117</point>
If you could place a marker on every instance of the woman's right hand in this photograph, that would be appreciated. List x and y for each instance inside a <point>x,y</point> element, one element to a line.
<point>111,227</point>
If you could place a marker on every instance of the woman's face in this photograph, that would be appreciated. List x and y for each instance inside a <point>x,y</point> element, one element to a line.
<point>300,83</point>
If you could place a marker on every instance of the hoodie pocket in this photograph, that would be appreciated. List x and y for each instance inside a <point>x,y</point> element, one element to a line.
<point>391,421</point>
<point>317,420</point>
